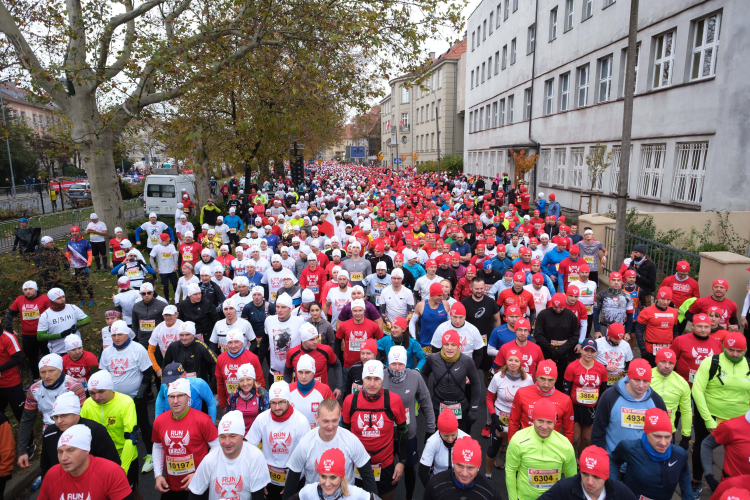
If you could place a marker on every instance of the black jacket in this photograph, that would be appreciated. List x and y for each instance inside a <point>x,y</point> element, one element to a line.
<point>558,327</point>
<point>212,292</point>
<point>143,311</point>
<point>450,382</point>
<point>102,445</point>
<point>195,357</point>
<point>571,488</point>
<point>443,487</point>
<point>646,275</point>
<point>202,313</point>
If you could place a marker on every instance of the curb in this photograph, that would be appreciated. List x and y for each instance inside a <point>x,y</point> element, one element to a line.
<point>23,482</point>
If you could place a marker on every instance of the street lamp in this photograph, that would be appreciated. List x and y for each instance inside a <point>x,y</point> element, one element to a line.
<point>7,143</point>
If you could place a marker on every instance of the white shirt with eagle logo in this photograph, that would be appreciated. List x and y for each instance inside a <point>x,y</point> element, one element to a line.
<point>126,367</point>
<point>279,438</point>
<point>235,479</point>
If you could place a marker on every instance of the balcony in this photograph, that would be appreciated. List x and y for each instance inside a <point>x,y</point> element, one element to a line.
<point>404,128</point>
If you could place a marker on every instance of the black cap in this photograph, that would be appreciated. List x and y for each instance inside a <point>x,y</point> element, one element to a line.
<point>171,372</point>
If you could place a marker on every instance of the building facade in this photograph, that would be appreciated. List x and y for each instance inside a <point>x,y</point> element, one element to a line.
<point>20,106</point>
<point>422,118</point>
<point>548,77</point>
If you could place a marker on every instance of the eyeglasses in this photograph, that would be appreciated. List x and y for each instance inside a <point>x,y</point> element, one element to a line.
<point>147,293</point>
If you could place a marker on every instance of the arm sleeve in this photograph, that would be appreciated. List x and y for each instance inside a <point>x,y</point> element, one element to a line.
<point>11,313</point>
<point>745,306</point>
<point>595,317</point>
<point>476,392</point>
<point>512,462</point>
<point>617,457</point>
<point>413,324</point>
<point>707,453</point>
<point>425,402</point>
<point>292,484</point>
<point>640,334</point>
<point>568,426</point>
<point>15,360</point>
<point>601,421</point>
<point>421,357</point>
<point>158,459</point>
<point>152,357</point>
<point>699,394</point>
<point>424,474</point>
<point>338,374</point>
<point>26,429</point>
<point>207,396</point>
<point>686,409</point>
<point>368,478</point>
<point>685,482</point>
<point>159,404</point>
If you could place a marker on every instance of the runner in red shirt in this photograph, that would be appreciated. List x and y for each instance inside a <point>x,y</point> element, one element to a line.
<point>78,363</point>
<point>682,285</point>
<point>717,332</point>
<point>523,265</point>
<point>190,251</point>
<point>734,435</point>
<point>530,353</point>
<point>585,380</point>
<point>229,362</point>
<point>83,476</point>
<point>182,438</point>
<point>30,306</point>
<point>571,266</point>
<point>538,223</point>
<point>323,356</point>
<point>313,277</point>
<point>656,326</point>
<point>524,197</point>
<point>717,298</point>
<point>523,402</point>
<point>118,253</point>
<point>377,417</point>
<point>355,332</point>
<point>11,391</point>
<point>692,348</point>
<point>519,296</point>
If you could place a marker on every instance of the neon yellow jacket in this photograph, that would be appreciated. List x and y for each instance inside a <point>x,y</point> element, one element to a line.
<point>675,392</point>
<point>118,416</point>
<point>727,395</point>
<point>531,459</point>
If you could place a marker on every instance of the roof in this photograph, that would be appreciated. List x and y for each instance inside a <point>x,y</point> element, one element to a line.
<point>454,52</point>
<point>11,93</point>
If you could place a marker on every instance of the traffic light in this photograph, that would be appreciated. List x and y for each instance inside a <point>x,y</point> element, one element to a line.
<point>298,171</point>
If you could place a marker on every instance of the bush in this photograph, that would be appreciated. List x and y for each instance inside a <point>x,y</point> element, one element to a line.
<point>130,191</point>
<point>73,171</point>
<point>451,164</point>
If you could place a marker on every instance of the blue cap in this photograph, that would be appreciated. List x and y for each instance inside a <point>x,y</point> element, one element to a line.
<point>171,372</point>
<point>589,344</point>
<point>487,264</point>
<point>24,219</point>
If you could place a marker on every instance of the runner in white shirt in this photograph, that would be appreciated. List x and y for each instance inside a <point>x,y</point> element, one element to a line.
<point>314,391</point>
<point>55,325</point>
<point>164,257</point>
<point>126,298</point>
<point>338,297</point>
<point>265,252</point>
<point>182,227</point>
<point>126,361</point>
<point>110,317</point>
<point>396,301</point>
<point>243,295</point>
<point>261,264</point>
<point>239,264</point>
<point>274,277</point>
<point>423,283</point>
<point>286,261</point>
<point>471,339</point>
<point>231,321</point>
<point>222,230</point>
<point>332,472</point>
<point>234,471</point>
<point>436,455</point>
<point>280,430</point>
<point>614,353</point>
<point>220,279</point>
<point>586,290</point>
<point>283,333</point>
<point>153,229</point>
<point>539,292</point>
<point>165,333</point>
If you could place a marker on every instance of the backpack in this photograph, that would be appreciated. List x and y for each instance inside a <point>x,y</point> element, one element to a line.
<point>714,369</point>
<point>386,403</point>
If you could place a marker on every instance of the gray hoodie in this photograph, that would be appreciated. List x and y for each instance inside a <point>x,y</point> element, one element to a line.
<point>411,388</point>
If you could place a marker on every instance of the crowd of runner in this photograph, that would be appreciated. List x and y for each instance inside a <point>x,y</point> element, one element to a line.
<point>290,346</point>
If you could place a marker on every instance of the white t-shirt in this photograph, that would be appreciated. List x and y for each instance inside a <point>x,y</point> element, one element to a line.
<point>282,336</point>
<point>154,232</point>
<point>98,226</point>
<point>310,492</point>
<point>279,438</point>
<point>311,447</point>
<point>587,294</point>
<point>57,322</point>
<point>396,303</point>
<point>126,300</point>
<point>219,333</point>
<point>261,265</point>
<point>107,336</point>
<point>541,297</point>
<point>222,231</point>
<point>435,453</point>
<point>471,339</point>
<point>165,257</point>
<point>225,284</point>
<point>231,479</point>
<point>294,253</point>
<point>126,367</point>
<point>307,405</point>
<point>240,302</point>
<point>613,355</point>
<point>164,335</point>
<point>423,285</point>
<point>238,266</point>
<point>275,280</point>
<point>288,264</point>
<point>506,389</point>
<point>338,300</point>
<point>266,254</point>
<point>182,285</point>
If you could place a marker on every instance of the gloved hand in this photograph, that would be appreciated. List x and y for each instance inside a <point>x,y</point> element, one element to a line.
<point>87,269</point>
<point>685,443</point>
<point>712,482</point>
<point>496,424</point>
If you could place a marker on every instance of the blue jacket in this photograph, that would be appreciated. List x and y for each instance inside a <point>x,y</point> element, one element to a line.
<point>614,403</point>
<point>233,221</point>
<point>551,260</point>
<point>571,488</point>
<point>413,351</point>
<point>547,282</point>
<point>464,249</point>
<point>200,393</point>
<point>641,475</point>
<point>416,270</point>
<point>501,335</point>
<point>541,205</point>
<point>553,209</point>
<point>501,265</point>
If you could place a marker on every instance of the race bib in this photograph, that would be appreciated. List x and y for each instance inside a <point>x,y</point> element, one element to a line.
<point>278,377</point>
<point>587,396</point>
<point>659,347</point>
<point>30,315</point>
<point>558,343</point>
<point>180,466</point>
<point>232,230</point>
<point>589,310</point>
<point>720,420</point>
<point>356,388</point>
<point>504,418</point>
<point>377,301</point>
<point>632,419</point>
<point>427,349</point>
<point>613,379</point>
<point>484,339</point>
<point>408,416</point>
<point>187,257</point>
<point>166,255</point>
<point>153,239</point>
<point>543,478</point>
<point>355,346</point>
<point>691,376</point>
<point>376,470</point>
<point>589,260</point>
<point>147,325</point>
<point>232,387</point>
<point>573,277</point>
<point>357,277</point>
<point>133,272</point>
<point>455,408</point>
<point>314,289</point>
<point>273,296</point>
<point>278,475</point>
<point>119,254</point>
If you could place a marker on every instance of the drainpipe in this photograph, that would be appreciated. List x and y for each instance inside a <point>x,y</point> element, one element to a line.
<point>531,110</point>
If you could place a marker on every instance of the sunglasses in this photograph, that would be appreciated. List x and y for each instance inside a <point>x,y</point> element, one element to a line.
<point>147,293</point>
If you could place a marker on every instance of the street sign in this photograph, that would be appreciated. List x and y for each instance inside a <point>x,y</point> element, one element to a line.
<point>397,161</point>
<point>358,152</point>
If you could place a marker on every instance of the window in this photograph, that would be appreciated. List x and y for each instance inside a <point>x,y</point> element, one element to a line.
<point>498,11</point>
<point>510,109</point>
<point>481,118</point>
<point>405,120</point>
<point>491,26</point>
<point>473,39</point>
<point>607,3</point>
<point>623,75</point>
<point>505,56</point>
<point>597,185</point>
<point>690,169</point>
<point>404,95</point>
<point>663,60</point>
<point>483,72</point>
<point>513,52</point>
<point>564,91</point>
<point>440,78</point>
<point>488,118</point>
<point>507,10</point>
<point>576,168</point>
<point>515,5</point>
<point>549,94</point>
<point>527,104</point>
<point>489,68</point>
<point>545,160</point>
<point>476,121</point>
<point>472,78</point>
<point>605,78</point>
<point>161,191</point>
<point>471,121</point>
<point>484,30</point>
<point>497,62</point>
<point>494,114</point>
<point>558,175</point>
<point>553,24</point>
<point>477,76</point>
<point>479,35</point>
<point>502,111</point>
<point>705,47</point>
<point>616,157</point>
<point>588,9</point>
<point>569,9</point>
<point>583,86</point>
<point>531,35</point>
<point>432,83</point>
<point>652,170</point>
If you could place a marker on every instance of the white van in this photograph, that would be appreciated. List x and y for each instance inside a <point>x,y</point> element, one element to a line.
<point>161,194</point>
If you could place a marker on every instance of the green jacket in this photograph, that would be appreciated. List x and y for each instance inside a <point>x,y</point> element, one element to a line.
<point>725,396</point>
<point>119,418</point>
<point>675,392</point>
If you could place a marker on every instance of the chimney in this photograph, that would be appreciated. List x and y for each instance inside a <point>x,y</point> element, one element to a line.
<point>432,56</point>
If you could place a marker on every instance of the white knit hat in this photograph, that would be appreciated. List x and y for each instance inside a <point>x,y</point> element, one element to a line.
<point>77,436</point>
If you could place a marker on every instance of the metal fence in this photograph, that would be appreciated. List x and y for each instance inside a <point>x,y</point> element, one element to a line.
<point>665,257</point>
<point>58,224</point>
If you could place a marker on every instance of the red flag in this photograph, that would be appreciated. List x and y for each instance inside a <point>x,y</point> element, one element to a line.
<point>328,226</point>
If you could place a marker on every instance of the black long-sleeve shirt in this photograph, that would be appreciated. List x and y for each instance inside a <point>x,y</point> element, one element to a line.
<point>102,445</point>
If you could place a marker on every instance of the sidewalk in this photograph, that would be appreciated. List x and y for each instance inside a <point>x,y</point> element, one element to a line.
<point>19,486</point>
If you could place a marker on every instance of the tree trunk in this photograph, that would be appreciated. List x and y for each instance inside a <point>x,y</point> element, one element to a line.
<point>201,175</point>
<point>99,163</point>
<point>278,168</point>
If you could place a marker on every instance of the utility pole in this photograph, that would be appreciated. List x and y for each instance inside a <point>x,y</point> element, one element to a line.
<point>437,126</point>
<point>627,126</point>
<point>7,143</point>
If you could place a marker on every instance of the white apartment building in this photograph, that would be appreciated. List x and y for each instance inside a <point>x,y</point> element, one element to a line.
<point>548,76</point>
<point>421,119</point>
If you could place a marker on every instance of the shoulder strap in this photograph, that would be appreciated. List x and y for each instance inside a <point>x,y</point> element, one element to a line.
<point>714,368</point>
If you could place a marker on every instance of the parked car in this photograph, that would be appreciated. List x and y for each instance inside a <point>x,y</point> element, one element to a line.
<point>80,191</point>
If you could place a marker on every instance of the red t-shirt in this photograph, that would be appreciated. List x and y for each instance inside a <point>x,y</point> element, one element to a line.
<point>118,253</point>
<point>103,480</point>
<point>523,300</point>
<point>226,373</point>
<point>567,241</point>
<point>727,306</point>
<point>522,267</point>
<point>569,269</point>
<point>313,280</point>
<point>578,309</point>
<point>185,442</point>
<point>734,434</point>
<point>8,347</point>
<point>538,224</point>
<point>523,406</point>
<point>524,201</point>
<point>586,382</point>
<point>30,311</point>
<point>659,327</point>
<point>373,428</point>
<point>719,335</point>
<point>323,356</point>
<point>531,355</point>
<point>691,351</point>
<point>354,337</point>
<point>528,229</point>
<point>80,370</point>
<point>191,253</point>
<point>681,290</point>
